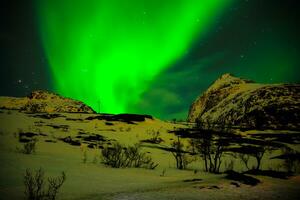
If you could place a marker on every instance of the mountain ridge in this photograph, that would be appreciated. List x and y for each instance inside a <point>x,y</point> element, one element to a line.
<point>44,101</point>
<point>239,102</point>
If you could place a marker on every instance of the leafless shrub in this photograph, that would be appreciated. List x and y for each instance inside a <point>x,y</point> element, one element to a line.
<point>28,147</point>
<point>154,136</point>
<point>96,153</point>
<point>35,186</point>
<point>84,157</point>
<point>119,156</point>
<point>54,185</point>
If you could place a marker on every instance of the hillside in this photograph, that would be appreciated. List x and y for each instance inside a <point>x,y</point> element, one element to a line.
<point>237,102</point>
<point>43,101</point>
<point>75,143</point>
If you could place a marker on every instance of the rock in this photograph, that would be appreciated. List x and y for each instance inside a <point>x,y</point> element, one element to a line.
<point>70,141</point>
<point>238,102</point>
<point>44,101</point>
<point>242,178</point>
<point>127,118</point>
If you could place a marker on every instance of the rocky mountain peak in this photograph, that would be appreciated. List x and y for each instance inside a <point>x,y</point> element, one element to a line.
<point>227,80</point>
<point>238,102</point>
<point>43,95</point>
<point>41,101</point>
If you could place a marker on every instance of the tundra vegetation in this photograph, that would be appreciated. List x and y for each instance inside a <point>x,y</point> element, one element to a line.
<point>36,187</point>
<point>119,156</point>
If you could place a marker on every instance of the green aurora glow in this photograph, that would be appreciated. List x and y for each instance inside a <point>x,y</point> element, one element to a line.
<point>111,50</point>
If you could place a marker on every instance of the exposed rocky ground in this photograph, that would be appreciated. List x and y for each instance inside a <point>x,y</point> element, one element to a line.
<point>43,101</point>
<point>68,136</point>
<point>238,102</point>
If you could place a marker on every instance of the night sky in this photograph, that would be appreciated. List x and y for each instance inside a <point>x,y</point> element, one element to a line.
<point>153,58</point>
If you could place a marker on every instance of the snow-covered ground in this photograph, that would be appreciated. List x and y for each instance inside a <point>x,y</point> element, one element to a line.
<point>93,180</point>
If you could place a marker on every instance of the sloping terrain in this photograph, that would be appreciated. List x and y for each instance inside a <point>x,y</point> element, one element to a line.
<point>72,142</point>
<point>43,101</point>
<point>237,102</point>
<point>68,136</point>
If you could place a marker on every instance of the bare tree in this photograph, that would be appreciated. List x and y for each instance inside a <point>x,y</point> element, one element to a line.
<point>255,151</point>
<point>245,159</point>
<point>258,155</point>
<point>210,149</point>
<point>179,154</point>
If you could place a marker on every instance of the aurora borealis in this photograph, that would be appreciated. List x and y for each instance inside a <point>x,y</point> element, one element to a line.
<point>145,56</point>
<point>110,50</point>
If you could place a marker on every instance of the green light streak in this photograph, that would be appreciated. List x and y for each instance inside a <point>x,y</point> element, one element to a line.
<point>110,50</point>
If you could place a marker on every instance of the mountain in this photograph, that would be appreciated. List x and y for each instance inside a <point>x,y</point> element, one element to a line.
<point>238,102</point>
<point>44,101</point>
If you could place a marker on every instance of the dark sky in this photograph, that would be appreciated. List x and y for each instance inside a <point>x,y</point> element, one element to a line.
<point>23,64</point>
<point>255,39</point>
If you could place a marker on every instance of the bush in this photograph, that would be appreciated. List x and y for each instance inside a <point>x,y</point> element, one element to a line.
<point>28,147</point>
<point>119,156</point>
<point>35,188</point>
<point>154,137</point>
<point>84,156</point>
